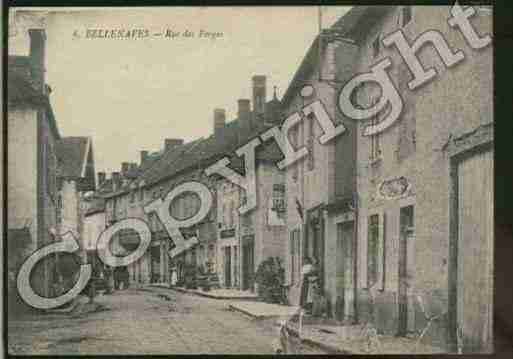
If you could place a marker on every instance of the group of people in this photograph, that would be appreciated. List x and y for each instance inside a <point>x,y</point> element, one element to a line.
<point>117,278</point>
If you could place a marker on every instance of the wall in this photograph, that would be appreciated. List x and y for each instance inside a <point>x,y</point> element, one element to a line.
<point>22,171</point>
<point>70,207</point>
<point>94,225</point>
<point>270,241</point>
<point>316,186</point>
<point>469,86</point>
<point>228,200</point>
<point>456,101</point>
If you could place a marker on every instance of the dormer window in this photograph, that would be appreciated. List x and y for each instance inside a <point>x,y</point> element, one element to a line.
<point>376,47</point>
<point>406,15</point>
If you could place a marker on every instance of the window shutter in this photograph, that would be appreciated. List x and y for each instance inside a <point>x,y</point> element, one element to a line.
<point>383,256</point>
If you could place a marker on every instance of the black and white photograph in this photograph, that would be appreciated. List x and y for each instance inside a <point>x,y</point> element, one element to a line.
<point>250,180</point>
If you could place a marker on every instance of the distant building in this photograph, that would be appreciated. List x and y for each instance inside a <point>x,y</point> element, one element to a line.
<point>158,173</point>
<point>75,179</point>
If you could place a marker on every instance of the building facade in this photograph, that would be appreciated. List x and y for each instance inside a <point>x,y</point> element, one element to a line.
<point>406,261</point>
<point>321,186</point>
<point>32,160</point>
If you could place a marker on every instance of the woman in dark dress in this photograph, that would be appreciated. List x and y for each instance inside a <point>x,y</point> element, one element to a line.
<point>307,271</point>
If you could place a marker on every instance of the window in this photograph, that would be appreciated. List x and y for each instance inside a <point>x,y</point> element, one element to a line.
<point>406,219</point>
<point>247,220</point>
<point>141,195</point>
<point>279,204</point>
<point>132,196</point>
<point>372,250</point>
<point>310,145</point>
<point>59,209</point>
<point>406,15</point>
<point>294,141</point>
<point>375,148</point>
<point>376,47</point>
<point>230,215</point>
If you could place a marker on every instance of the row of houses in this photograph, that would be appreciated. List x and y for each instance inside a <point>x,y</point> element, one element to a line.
<point>400,223</point>
<point>49,175</point>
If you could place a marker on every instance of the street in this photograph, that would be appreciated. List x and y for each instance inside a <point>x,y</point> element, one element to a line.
<point>145,321</point>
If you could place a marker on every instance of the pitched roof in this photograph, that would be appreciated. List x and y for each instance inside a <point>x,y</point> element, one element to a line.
<point>203,152</point>
<point>72,156</point>
<point>96,205</point>
<point>345,26</point>
<point>21,89</point>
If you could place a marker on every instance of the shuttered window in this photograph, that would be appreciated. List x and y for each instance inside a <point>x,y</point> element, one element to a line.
<point>294,256</point>
<point>372,250</point>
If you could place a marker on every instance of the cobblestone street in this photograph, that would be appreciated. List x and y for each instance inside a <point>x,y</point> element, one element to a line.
<point>142,321</point>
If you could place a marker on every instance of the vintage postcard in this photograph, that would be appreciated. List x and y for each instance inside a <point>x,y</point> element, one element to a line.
<point>250,180</point>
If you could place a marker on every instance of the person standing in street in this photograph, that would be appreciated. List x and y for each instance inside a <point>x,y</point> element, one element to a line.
<point>306,271</point>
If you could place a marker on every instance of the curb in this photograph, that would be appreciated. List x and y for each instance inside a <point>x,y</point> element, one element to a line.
<point>212,296</point>
<point>248,313</point>
<point>329,349</point>
<point>324,347</point>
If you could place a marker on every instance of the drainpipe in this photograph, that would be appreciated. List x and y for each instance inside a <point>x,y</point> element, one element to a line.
<point>355,242</point>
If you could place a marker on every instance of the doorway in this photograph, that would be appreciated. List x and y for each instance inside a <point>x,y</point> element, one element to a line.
<point>314,241</point>
<point>227,267</point>
<point>471,272</point>
<point>406,240</point>
<point>248,263</point>
<point>346,265</point>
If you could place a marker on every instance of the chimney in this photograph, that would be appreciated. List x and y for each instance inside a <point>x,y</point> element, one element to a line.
<point>259,93</point>
<point>219,120</point>
<point>243,109</point>
<point>144,156</point>
<point>115,181</point>
<point>125,166</point>
<point>101,178</point>
<point>244,118</point>
<point>37,56</point>
<point>170,143</point>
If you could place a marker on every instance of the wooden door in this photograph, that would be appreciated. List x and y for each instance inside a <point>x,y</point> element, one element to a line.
<point>227,267</point>
<point>346,266</point>
<point>406,238</point>
<point>248,263</point>
<point>475,252</point>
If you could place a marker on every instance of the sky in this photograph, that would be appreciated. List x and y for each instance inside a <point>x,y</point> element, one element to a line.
<point>131,94</point>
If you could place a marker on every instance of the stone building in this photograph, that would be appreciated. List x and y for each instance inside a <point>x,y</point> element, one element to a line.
<point>383,214</point>
<point>32,159</point>
<point>179,162</point>
<point>75,179</point>
<point>408,176</point>
<point>94,223</point>
<point>321,186</point>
